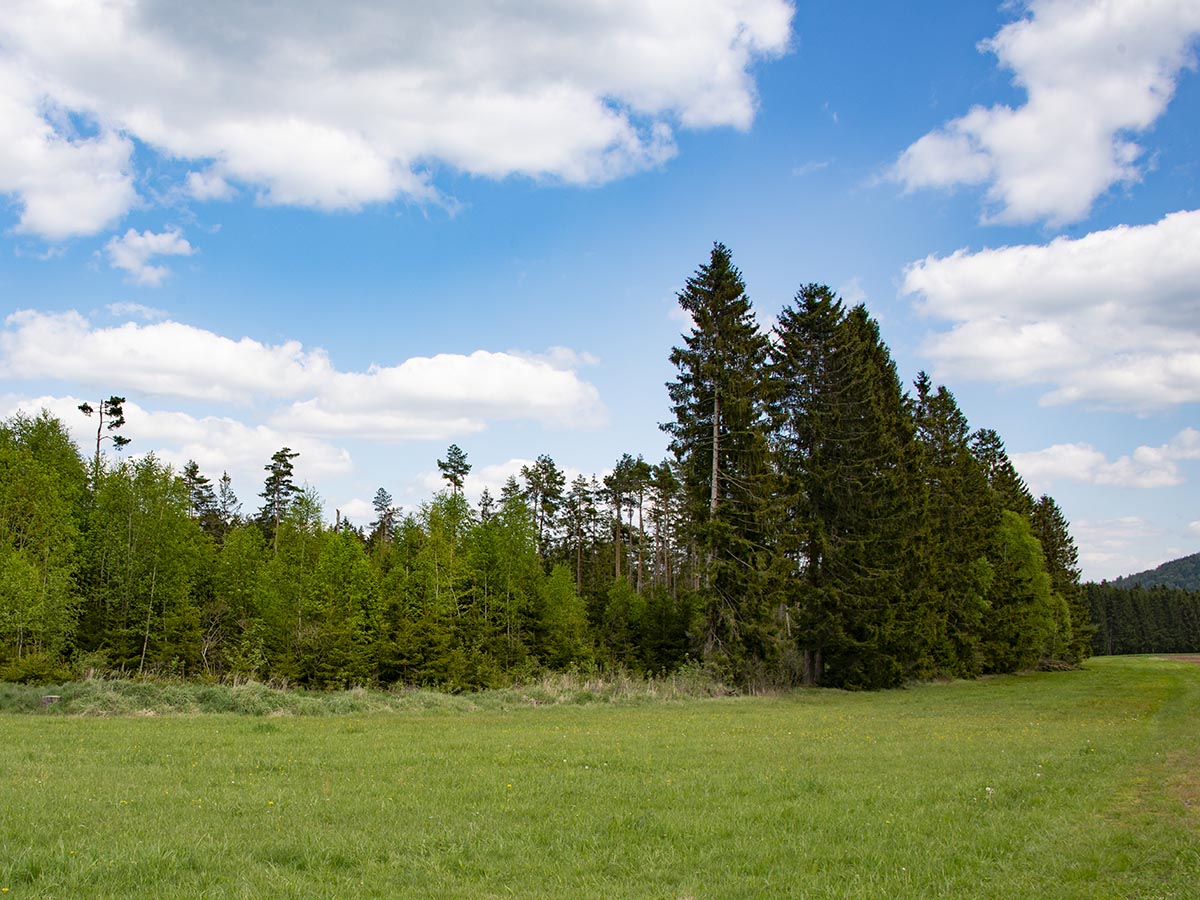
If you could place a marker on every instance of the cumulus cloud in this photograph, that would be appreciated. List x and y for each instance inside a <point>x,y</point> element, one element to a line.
<point>133,251</point>
<point>443,395</point>
<point>1111,319</point>
<point>339,106</point>
<point>420,398</point>
<point>163,358</point>
<point>1145,467</point>
<point>67,182</point>
<point>1110,548</point>
<point>1094,74</point>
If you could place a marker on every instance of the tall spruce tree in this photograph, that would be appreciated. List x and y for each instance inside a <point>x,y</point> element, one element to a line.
<point>719,438</point>
<point>229,508</point>
<point>844,458</point>
<point>1002,475</point>
<point>203,499</point>
<point>960,517</point>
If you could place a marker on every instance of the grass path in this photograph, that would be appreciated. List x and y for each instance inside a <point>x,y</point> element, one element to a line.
<point>1065,785</point>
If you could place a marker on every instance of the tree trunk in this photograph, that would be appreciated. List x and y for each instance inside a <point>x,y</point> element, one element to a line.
<point>716,459</point>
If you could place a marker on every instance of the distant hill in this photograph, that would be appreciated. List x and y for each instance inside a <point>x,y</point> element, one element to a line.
<point>1178,573</point>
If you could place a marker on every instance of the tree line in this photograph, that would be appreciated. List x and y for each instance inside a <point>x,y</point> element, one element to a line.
<point>1153,619</point>
<point>815,523</point>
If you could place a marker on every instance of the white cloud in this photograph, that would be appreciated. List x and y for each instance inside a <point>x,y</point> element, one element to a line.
<point>852,292</point>
<point>1094,72</point>
<point>1110,319</point>
<point>1110,548</point>
<point>444,395</point>
<point>421,398</point>
<point>1146,467</point>
<point>339,106</point>
<point>1194,527</point>
<point>133,251</point>
<point>164,358</point>
<point>208,186</point>
<point>66,183</point>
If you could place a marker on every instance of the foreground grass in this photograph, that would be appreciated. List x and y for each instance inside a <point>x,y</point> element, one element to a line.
<point>1065,785</point>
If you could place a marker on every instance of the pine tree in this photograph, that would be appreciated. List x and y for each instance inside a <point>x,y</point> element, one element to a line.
<point>1002,475</point>
<point>278,491</point>
<point>579,507</point>
<point>385,518</point>
<point>544,483</point>
<point>112,409</point>
<point>454,468</point>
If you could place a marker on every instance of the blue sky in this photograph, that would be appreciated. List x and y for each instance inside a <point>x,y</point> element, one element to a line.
<point>370,230</point>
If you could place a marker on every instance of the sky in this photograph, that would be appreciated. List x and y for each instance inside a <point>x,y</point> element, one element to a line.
<point>368,230</point>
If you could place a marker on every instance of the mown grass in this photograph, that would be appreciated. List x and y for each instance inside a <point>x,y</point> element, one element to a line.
<point>1060,785</point>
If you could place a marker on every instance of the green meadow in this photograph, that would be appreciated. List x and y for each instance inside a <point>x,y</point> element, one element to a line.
<point>1059,785</point>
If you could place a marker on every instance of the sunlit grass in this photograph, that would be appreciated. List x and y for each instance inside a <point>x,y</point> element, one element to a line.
<point>1064,785</point>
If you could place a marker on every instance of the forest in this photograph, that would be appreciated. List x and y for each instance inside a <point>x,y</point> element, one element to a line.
<point>815,523</point>
<point>1157,619</point>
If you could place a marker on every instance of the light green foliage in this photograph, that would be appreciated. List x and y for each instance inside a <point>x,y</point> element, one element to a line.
<point>142,555</point>
<point>42,482</point>
<point>563,621</point>
<point>1024,616</point>
<point>1064,786</point>
<point>1062,563</point>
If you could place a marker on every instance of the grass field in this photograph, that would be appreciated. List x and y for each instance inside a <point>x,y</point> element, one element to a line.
<point>1063,785</point>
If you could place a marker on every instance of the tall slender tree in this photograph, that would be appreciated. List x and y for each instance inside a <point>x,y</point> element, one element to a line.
<point>959,521</point>
<point>718,438</point>
<point>279,489</point>
<point>454,468</point>
<point>229,508</point>
<point>204,505</point>
<point>544,483</point>
<point>110,417</point>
